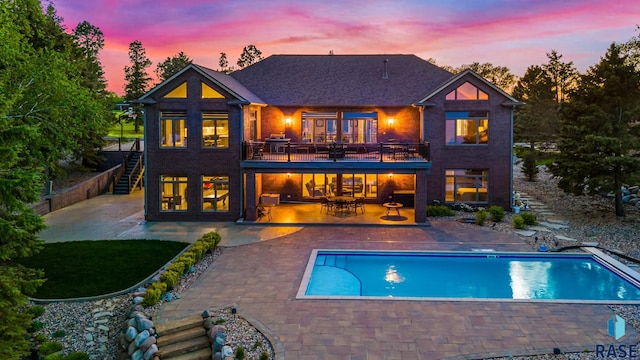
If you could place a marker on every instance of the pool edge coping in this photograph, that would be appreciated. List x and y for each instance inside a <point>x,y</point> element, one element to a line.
<point>620,269</point>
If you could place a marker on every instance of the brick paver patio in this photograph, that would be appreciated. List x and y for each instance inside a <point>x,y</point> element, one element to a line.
<point>263,279</point>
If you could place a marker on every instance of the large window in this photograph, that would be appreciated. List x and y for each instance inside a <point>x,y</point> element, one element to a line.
<point>354,128</point>
<point>215,130</point>
<point>359,127</point>
<point>467,185</point>
<point>173,195</point>
<point>358,185</point>
<point>467,127</point>
<point>319,127</point>
<point>173,129</point>
<point>215,193</point>
<point>467,91</point>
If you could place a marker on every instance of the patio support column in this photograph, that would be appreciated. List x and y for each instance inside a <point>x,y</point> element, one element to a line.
<point>421,196</point>
<point>251,196</point>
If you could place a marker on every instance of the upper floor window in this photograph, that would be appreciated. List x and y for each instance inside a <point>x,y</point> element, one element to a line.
<point>319,127</point>
<point>179,92</point>
<point>209,93</point>
<point>467,91</point>
<point>215,130</point>
<point>467,127</point>
<point>359,127</point>
<point>173,129</point>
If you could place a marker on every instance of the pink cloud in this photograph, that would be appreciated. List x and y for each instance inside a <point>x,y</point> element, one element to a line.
<point>506,33</point>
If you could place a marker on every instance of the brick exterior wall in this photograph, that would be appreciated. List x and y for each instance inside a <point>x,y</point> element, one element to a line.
<point>494,156</point>
<point>193,161</point>
<point>410,124</point>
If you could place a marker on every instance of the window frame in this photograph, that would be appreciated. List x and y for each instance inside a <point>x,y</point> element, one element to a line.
<point>453,120</point>
<point>219,189</point>
<point>455,94</point>
<point>216,118</point>
<point>176,195</point>
<point>178,121</point>
<point>458,183</point>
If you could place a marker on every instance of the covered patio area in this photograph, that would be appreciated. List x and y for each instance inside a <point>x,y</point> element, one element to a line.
<point>309,213</point>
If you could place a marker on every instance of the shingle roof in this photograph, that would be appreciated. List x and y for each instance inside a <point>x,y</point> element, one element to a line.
<point>349,80</point>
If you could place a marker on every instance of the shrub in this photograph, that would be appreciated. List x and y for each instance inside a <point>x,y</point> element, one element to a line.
<point>154,292</point>
<point>439,210</point>
<point>77,356</point>
<point>212,239</point>
<point>256,345</point>
<point>220,321</point>
<point>240,353</point>
<point>36,311</point>
<point>49,347</point>
<point>518,222</point>
<point>481,217</point>
<point>59,333</point>
<point>41,338</point>
<point>35,326</point>
<point>529,218</point>
<point>198,250</point>
<point>264,356</point>
<point>170,276</point>
<point>497,213</point>
<point>530,167</point>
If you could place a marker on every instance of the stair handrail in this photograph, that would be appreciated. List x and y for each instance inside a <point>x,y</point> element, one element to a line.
<point>125,160</point>
<point>137,166</point>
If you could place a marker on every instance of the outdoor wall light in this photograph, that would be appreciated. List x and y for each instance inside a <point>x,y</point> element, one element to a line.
<point>288,175</point>
<point>390,121</point>
<point>287,121</point>
<point>390,175</point>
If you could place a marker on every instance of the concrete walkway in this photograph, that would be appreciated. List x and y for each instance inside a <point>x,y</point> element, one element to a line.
<point>262,278</point>
<point>109,217</point>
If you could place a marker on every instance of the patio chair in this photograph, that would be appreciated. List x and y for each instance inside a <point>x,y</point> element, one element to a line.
<point>358,203</point>
<point>326,204</point>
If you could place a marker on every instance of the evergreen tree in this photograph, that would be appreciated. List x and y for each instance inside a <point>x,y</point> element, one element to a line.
<point>536,121</point>
<point>250,54</point>
<point>563,75</point>
<point>599,129</point>
<point>172,65</point>
<point>136,76</point>
<point>224,64</point>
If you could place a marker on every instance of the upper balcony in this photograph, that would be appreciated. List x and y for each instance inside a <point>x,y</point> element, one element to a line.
<point>282,150</point>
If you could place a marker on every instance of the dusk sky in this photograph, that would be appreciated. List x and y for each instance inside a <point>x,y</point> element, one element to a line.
<point>511,33</point>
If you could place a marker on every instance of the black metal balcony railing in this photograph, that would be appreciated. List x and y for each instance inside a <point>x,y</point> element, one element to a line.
<point>381,152</point>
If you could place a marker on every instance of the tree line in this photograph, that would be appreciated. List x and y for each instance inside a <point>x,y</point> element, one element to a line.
<point>54,106</point>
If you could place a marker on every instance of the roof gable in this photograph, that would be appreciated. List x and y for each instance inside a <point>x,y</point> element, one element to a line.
<point>509,99</point>
<point>230,85</point>
<point>341,80</point>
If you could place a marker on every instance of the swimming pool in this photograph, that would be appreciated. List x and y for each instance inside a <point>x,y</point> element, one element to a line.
<point>475,275</point>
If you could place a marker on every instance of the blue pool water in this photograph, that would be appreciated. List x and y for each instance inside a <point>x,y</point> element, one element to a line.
<point>464,275</point>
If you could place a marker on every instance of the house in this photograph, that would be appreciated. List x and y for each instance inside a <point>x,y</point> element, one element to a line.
<point>300,127</point>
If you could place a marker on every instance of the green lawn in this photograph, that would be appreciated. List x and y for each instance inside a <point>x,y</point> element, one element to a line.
<point>89,268</point>
<point>128,131</point>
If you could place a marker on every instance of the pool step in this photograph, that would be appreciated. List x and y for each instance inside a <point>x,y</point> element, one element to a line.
<point>338,261</point>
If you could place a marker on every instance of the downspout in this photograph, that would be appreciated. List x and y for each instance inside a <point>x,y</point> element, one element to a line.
<point>145,157</point>
<point>511,199</point>
<point>242,174</point>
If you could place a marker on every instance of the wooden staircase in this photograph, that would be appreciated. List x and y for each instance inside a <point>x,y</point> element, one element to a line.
<point>184,339</point>
<point>132,174</point>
